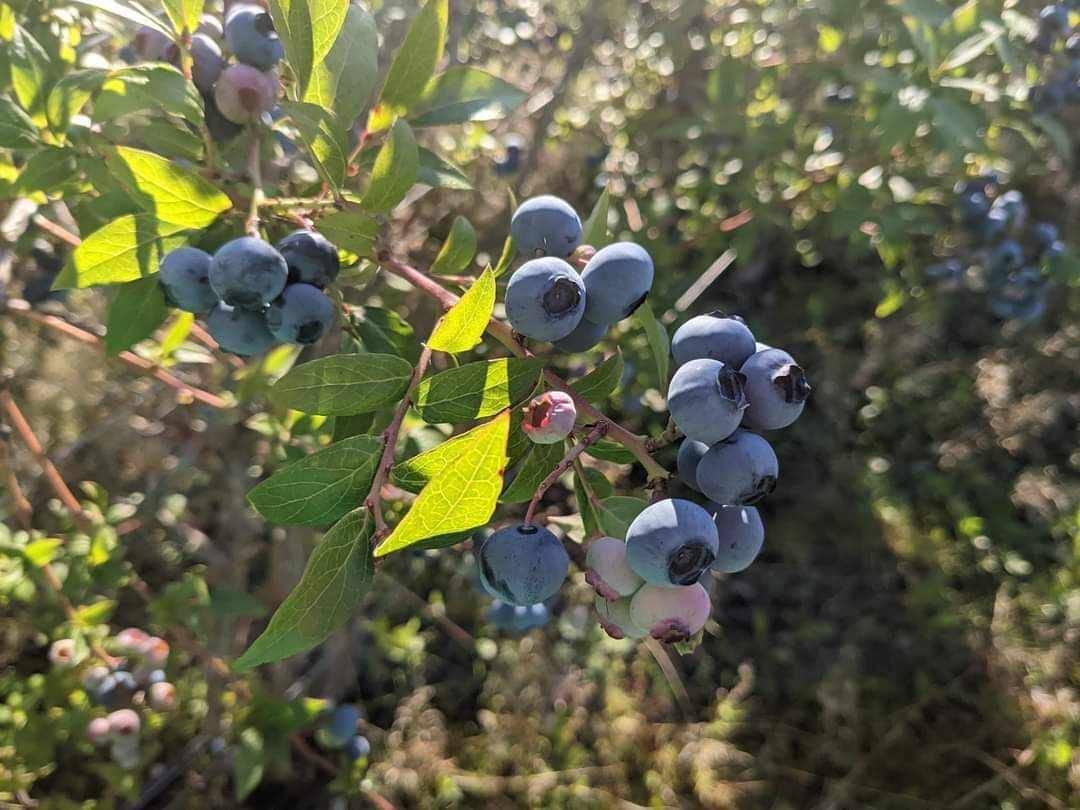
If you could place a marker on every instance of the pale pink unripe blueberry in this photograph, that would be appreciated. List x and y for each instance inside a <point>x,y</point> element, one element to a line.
<point>131,640</point>
<point>62,653</point>
<point>244,93</point>
<point>98,730</point>
<point>124,723</point>
<point>550,417</point>
<point>156,651</point>
<point>671,614</point>
<point>615,619</point>
<point>162,696</point>
<point>607,570</point>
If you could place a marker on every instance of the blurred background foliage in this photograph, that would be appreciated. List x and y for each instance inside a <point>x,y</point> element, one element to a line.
<point>909,636</point>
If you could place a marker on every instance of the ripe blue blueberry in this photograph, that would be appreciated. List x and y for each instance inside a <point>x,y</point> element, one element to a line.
<point>991,225</point>
<point>585,335</point>
<point>522,564</point>
<point>207,63</point>
<point>243,93</point>
<point>211,26</point>
<point>1054,251</point>
<point>777,389</point>
<point>707,399</point>
<point>671,614</point>
<point>249,31</point>
<point>1054,19</point>
<point>248,273</point>
<point>117,689</point>
<point>1044,234</point>
<point>221,129</point>
<point>545,226</point>
<point>1023,296</point>
<point>738,471</point>
<point>714,336</point>
<point>742,535</point>
<point>358,747</point>
<point>615,618</point>
<point>184,276</point>
<point>672,542</point>
<point>545,299</point>
<point>342,725</point>
<point>302,314</point>
<point>1012,204</point>
<point>1006,257</point>
<point>311,257</point>
<point>240,331</point>
<point>690,453</point>
<point>974,204</point>
<point>617,280</point>
<point>518,618</point>
<point>608,571</point>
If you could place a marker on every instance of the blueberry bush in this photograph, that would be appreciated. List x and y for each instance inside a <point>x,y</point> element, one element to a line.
<point>394,397</point>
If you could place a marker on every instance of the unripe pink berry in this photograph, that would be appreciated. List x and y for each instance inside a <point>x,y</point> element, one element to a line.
<point>131,639</point>
<point>607,570</point>
<point>671,614</point>
<point>62,653</point>
<point>156,651</point>
<point>550,417</point>
<point>124,723</point>
<point>244,93</point>
<point>98,730</point>
<point>162,696</point>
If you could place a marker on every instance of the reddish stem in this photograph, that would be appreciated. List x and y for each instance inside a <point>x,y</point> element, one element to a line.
<point>597,433</point>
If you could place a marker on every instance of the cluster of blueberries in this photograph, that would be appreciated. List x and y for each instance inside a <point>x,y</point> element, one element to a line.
<point>233,94</point>
<point>546,298</point>
<point>338,733</point>
<point>137,679</point>
<point>1063,87</point>
<point>254,295</point>
<point>1014,258</point>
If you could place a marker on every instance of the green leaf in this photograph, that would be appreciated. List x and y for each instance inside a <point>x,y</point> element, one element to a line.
<point>346,427</point>
<point>337,576</point>
<point>17,130</point>
<point>69,95</point>
<point>597,385</point>
<point>166,190</point>
<point>324,138</point>
<point>595,230</point>
<point>249,763</point>
<point>829,38</point>
<point>45,170</point>
<point>395,169</point>
<point>343,384</point>
<point>40,553</point>
<point>617,513</point>
<point>439,173</point>
<point>658,341</point>
<point>458,250</point>
<point>322,487</point>
<point>148,87</point>
<point>351,230</point>
<point>972,47</point>
<point>163,137</point>
<point>589,521</point>
<point>464,94</point>
<point>308,30</point>
<point>184,14</point>
<point>31,71</point>
<point>608,450</point>
<point>507,257</point>
<point>538,465</point>
<point>476,390</point>
<point>343,81</point>
<point>462,495</point>
<point>127,249</point>
<point>413,65</point>
<point>132,12</point>
<point>137,310</point>
<point>176,334</point>
<point>94,614</point>
<point>463,325</point>
<point>383,330</point>
<point>413,474</point>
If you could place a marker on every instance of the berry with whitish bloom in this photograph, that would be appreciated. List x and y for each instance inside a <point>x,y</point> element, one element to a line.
<point>93,678</point>
<point>1055,250</point>
<point>545,226</point>
<point>311,258</point>
<point>545,299</point>
<point>550,417</point>
<point>184,276</point>
<point>342,725</point>
<point>1012,204</point>
<point>62,653</point>
<point>161,696</point>
<point>211,26</point>
<point>131,640</point>
<point>250,34</point>
<point>124,723</point>
<point>671,614</point>
<point>522,564</point>
<point>207,63</point>
<point>98,730</point>
<point>690,453</point>
<point>617,281</point>
<point>615,619</point>
<point>301,314</point>
<point>671,543</point>
<point>243,93</point>
<point>358,747</point>
<point>117,689</point>
<point>1044,234</point>
<point>742,535</point>
<point>607,570</point>
<point>239,331</point>
<point>777,389</point>
<point>740,470</point>
<point>585,335</point>
<point>714,336</point>
<point>248,273</point>
<point>707,399</point>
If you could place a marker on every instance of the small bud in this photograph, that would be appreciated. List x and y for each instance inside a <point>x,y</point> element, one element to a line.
<point>550,417</point>
<point>162,696</point>
<point>62,653</point>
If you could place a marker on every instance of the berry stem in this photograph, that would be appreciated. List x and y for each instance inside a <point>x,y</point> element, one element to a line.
<point>254,167</point>
<point>594,435</point>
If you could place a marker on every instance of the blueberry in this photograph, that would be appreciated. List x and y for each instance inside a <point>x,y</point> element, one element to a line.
<point>585,335</point>
<point>671,543</point>
<point>707,400</point>
<point>239,331</point>
<point>738,471</point>
<point>207,63</point>
<point>161,696</point>
<point>545,299</point>
<point>150,44</point>
<point>950,272</point>
<point>1012,204</point>
<point>545,226</point>
<point>302,314</point>
<point>690,453</point>
<point>248,273</point>
<point>518,618</point>
<point>1054,19</point>
<point>615,619</point>
<point>671,614</point>
<point>184,276</point>
<point>974,205</point>
<point>249,31</point>
<point>742,535</point>
<point>131,640</point>
<point>98,730</point>
<point>342,725</point>
<point>155,676</point>
<point>211,26</point>
<point>522,564</point>
<point>1054,251</point>
<point>1049,98</point>
<point>617,280</point>
<point>990,226</point>
<point>221,128</point>
<point>243,93</point>
<point>117,689</point>
<point>714,336</point>
<point>550,417</point>
<point>124,723</point>
<point>1005,258</point>
<point>93,678</point>
<point>311,257</point>
<point>1044,234</point>
<point>777,389</point>
<point>608,571</point>
<point>358,747</point>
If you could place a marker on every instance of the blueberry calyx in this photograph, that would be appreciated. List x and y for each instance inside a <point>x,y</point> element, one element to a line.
<point>762,487</point>
<point>527,528</point>
<point>562,296</point>
<point>688,562</point>
<point>732,386</point>
<point>264,24</point>
<point>791,380</point>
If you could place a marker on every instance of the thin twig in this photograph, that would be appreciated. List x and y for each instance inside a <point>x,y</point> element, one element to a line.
<point>59,232</point>
<point>597,433</point>
<point>24,511</point>
<point>670,435</point>
<point>667,666</point>
<point>452,628</point>
<point>254,168</point>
